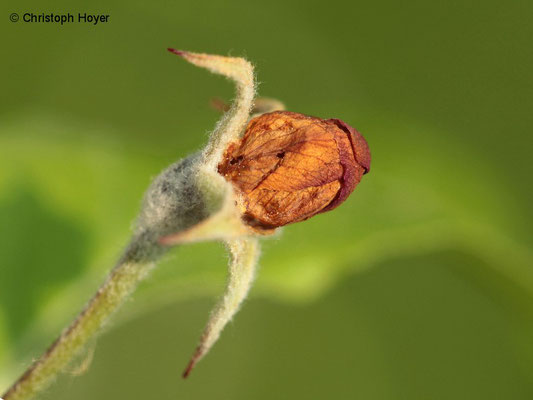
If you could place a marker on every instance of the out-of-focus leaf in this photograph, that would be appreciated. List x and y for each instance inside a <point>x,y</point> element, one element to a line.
<point>77,199</point>
<point>441,90</point>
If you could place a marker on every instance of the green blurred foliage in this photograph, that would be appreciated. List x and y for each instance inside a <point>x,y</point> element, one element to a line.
<point>442,92</point>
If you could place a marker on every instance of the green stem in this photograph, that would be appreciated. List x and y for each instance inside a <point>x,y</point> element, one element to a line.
<point>133,267</point>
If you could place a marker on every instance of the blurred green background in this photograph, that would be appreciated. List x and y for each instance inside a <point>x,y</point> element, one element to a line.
<point>420,286</point>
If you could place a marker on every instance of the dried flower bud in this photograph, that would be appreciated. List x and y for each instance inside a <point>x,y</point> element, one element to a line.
<point>289,167</point>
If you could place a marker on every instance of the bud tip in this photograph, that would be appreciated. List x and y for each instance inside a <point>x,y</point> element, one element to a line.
<point>178,52</point>
<point>189,368</point>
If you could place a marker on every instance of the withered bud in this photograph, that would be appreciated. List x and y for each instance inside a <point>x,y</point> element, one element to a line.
<point>288,167</point>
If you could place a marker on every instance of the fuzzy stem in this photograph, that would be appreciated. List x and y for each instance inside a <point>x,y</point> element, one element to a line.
<point>132,268</point>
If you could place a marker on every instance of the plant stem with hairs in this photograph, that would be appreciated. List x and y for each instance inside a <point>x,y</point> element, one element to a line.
<point>262,168</point>
<point>121,282</point>
<point>187,194</point>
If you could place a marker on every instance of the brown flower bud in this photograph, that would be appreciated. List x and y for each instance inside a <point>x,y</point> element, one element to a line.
<point>289,167</point>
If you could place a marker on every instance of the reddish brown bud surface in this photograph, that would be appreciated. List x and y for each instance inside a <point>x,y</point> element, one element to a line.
<point>289,167</point>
